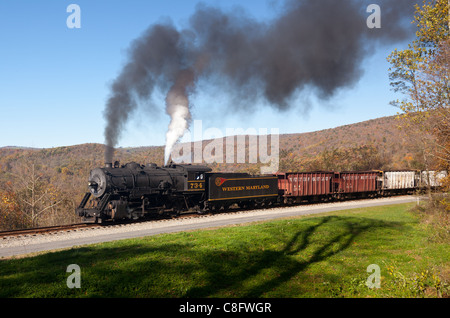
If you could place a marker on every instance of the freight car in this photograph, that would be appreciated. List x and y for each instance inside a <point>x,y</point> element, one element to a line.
<point>353,184</point>
<point>431,179</point>
<point>296,187</point>
<point>408,181</point>
<point>400,181</point>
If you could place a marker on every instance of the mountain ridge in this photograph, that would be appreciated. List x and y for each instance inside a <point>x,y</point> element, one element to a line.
<point>380,136</point>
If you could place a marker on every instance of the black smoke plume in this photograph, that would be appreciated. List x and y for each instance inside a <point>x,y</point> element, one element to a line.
<point>318,45</point>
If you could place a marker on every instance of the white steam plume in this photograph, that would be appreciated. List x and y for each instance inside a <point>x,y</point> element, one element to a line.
<point>177,106</point>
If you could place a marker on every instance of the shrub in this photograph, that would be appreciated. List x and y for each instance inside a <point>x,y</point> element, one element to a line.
<point>435,213</point>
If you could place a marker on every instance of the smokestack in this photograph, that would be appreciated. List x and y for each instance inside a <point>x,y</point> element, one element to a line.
<point>312,45</point>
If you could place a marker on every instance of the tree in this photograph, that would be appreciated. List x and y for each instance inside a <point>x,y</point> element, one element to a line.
<point>32,192</point>
<point>358,158</point>
<point>432,95</point>
<point>10,213</point>
<point>421,74</point>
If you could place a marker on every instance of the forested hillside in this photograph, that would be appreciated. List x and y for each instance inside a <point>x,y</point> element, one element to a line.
<point>41,187</point>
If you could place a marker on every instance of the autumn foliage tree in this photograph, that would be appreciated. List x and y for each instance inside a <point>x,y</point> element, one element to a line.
<point>422,74</point>
<point>31,198</point>
<point>11,216</point>
<point>35,196</point>
<point>360,158</point>
<point>434,91</point>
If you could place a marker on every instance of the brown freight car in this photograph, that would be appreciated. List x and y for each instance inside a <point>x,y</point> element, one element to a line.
<point>357,183</point>
<point>296,187</point>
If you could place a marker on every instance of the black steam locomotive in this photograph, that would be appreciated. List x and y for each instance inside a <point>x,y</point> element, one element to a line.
<point>132,191</point>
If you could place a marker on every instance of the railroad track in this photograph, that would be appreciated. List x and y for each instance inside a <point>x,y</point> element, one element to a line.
<point>48,229</point>
<point>75,227</point>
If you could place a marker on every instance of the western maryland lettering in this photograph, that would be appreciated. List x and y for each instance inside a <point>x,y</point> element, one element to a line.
<point>222,188</point>
<point>247,187</point>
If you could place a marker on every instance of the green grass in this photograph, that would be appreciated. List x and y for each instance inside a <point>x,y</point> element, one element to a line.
<point>320,256</point>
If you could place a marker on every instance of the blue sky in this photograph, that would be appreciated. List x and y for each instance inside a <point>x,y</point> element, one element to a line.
<point>54,81</point>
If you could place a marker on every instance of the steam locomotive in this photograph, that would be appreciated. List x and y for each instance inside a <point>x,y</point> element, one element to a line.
<point>132,191</point>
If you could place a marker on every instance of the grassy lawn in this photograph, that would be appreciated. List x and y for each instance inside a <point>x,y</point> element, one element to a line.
<point>319,256</point>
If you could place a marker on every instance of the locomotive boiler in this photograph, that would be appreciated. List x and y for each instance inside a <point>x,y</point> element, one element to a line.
<point>132,190</point>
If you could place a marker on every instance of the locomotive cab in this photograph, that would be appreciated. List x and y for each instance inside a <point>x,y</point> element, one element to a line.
<point>196,179</point>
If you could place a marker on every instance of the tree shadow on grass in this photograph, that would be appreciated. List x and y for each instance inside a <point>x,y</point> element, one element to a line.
<point>184,268</point>
<point>283,262</point>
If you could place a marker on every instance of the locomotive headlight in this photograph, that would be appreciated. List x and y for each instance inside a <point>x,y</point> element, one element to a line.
<point>93,185</point>
<point>97,182</point>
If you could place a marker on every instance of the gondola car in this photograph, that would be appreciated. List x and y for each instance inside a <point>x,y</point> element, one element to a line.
<point>354,184</point>
<point>296,187</point>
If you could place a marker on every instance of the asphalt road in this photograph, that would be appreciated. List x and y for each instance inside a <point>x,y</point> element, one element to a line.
<point>33,245</point>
